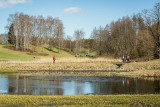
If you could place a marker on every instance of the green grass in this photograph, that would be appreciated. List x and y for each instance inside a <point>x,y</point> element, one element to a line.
<point>8,71</point>
<point>94,54</point>
<point>80,101</point>
<point>7,54</point>
<point>53,51</point>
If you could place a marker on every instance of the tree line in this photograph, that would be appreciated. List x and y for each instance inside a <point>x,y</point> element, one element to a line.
<point>25,30</point>
<point>137,35</point>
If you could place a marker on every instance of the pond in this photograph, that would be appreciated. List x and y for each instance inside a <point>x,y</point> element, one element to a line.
<point>72,85</point>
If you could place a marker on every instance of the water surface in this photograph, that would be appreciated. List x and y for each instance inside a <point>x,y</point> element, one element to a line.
<point>71,85</point>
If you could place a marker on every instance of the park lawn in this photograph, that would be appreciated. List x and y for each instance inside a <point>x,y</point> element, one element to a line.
<point>46,51</point>
<point>80,101</point>
<point>8,54</point>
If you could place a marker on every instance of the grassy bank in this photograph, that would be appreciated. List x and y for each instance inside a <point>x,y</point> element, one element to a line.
<point>80,101</point>
<point>134,69</point>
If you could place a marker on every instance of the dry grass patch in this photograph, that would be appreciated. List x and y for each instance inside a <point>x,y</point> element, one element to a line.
<point>148,65</point>
<point>141,73</point>
<point>142,69</point>
<point>62,64</point>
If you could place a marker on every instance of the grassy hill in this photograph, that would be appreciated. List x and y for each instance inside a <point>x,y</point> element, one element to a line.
<point>8,53</point>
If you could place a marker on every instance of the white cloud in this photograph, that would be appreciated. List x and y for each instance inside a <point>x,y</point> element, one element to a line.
<point>72,10</point>
<point>8,3</point>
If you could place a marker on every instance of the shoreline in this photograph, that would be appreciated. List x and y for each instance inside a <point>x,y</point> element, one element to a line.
<point>88,67</point>
<point>103,73</point>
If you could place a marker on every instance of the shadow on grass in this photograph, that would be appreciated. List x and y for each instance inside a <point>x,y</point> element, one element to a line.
<point>9,47</point>
<point>50,50</point>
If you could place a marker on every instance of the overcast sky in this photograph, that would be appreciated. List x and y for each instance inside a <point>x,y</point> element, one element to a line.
<point>75,14</point>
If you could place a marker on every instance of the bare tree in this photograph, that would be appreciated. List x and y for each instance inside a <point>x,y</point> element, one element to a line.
<point>152,22</point>
<point>100,37</point>
<point>59,34</point>
<point>68,43</point>
<point>145,44</point>
<point>25,30</point>
<point>79,35</point>
<point>121,39</point>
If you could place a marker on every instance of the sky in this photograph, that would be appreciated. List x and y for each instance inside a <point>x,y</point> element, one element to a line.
<point>75,14</point>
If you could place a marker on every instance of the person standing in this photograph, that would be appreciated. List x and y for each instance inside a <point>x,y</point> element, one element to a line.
<point>123,59</point>
<point>54,59</point>
<point>128,58</point>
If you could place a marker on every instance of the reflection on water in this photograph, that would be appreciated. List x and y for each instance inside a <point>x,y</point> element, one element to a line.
<point>66,85</point>
<point>3,85</point>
